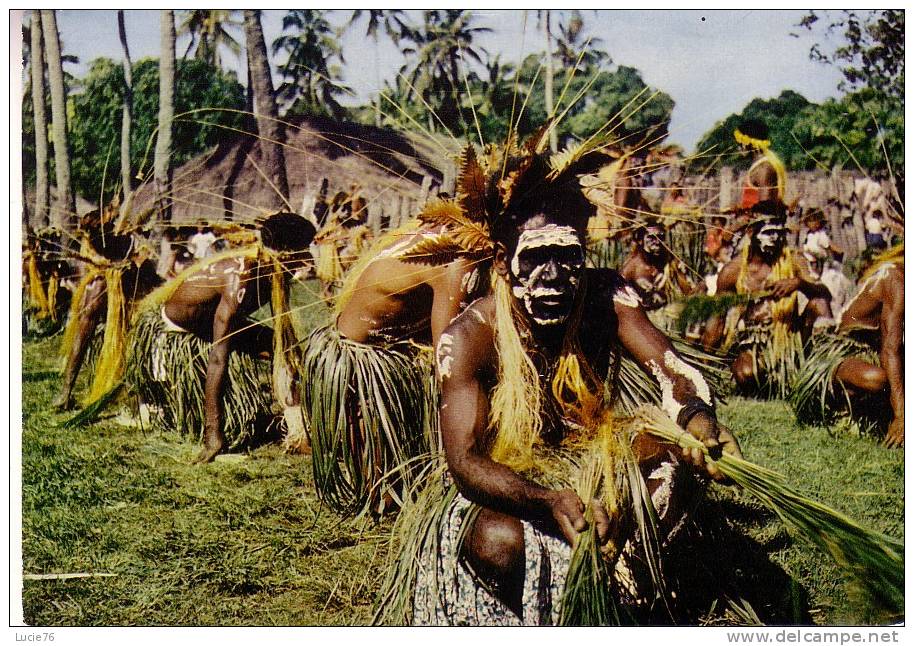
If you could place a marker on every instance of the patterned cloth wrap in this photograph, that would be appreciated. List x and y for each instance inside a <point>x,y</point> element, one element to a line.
<point>166,366</point>
<point>371,414</point>
<point>448,593</point>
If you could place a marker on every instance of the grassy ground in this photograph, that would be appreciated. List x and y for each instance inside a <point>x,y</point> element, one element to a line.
<point>244,541</point>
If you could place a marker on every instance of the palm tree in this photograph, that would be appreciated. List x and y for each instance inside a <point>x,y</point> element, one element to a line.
<point>394,27</point>
<point>571,40</point>
<point>444,40</point>
<point>42,190</point>
<point>162,162</point>
<point>64,218</point>
<point>313,80</point>
<point>209,31</point>
<point>126,176</point>
<point>545,18</point>
<point>272,135</point>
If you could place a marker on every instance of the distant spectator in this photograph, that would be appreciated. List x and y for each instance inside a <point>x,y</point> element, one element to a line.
<point>200,245</point>
<point>875,236</point>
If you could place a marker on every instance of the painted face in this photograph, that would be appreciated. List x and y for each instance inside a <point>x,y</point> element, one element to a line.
<point>545,271</point>
<point>770,237</point>
<point>653,240</point>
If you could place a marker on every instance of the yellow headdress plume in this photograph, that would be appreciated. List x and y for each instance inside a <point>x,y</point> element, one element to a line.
<point>746,140</point>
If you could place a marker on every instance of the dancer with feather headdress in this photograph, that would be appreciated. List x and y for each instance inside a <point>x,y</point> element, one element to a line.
<point>523,417</point>
<point>116,272</point>
<point>768,328</point>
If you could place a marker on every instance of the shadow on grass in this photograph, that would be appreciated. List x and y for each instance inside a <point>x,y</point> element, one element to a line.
<point>716,562</point>
<point>39,375</point>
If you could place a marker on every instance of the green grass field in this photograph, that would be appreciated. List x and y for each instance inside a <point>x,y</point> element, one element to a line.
<point>244,541</point>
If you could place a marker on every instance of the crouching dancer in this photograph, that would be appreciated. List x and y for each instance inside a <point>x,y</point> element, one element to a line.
<point>368,386</point>
<point>858,367</point>
<point>199,324</point>
<point>522,416</point>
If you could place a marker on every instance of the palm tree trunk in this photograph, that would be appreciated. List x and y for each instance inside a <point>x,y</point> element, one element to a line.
<point>162,162</point>
<point>64,216</point>
<point>272,135</point>
<point>547,32</point>
<point>42,190</point>
<point>126,120</point>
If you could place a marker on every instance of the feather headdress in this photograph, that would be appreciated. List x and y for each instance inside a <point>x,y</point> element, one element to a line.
<point>495,182</point>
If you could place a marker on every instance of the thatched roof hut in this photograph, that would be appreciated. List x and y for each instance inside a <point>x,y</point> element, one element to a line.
<point>392,171</point>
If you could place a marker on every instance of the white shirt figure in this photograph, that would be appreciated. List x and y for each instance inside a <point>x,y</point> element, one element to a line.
<point>200,245</point>
<point>816,245</point>
<point>873,224</point>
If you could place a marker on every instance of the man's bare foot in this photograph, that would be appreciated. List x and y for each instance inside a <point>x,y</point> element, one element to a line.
<point>895,437</point>
<point>63,402</point>
<point>207,454</point>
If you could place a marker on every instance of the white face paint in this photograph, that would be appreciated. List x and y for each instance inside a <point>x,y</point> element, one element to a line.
<point>653,240</point>
<point>545,271</point>
<point>769,236</point>
<point>444,355</point>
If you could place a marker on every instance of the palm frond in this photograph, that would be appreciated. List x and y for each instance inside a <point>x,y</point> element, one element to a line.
<point>439,250</point>
<point>700,308</point>
<point>874,560</point>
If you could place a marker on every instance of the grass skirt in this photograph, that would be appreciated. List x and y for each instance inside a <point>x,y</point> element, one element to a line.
<point>775,365</point>
<point>167,369</point>
<point>816,398</point>
<point>371,412</point>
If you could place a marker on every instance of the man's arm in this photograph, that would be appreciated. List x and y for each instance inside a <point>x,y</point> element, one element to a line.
<point>450,290</point>
<point>726,284</point>
<point>892,328</point>
<point>802,282</point>
<point>686,397</point>
<point>464,349</point>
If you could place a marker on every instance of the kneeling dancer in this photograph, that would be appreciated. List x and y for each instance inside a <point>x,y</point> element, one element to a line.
<point>767,331</point>
<point>858,366</point>
<point>193,352</point>
<point>368,388</point>
<point>522,418</point>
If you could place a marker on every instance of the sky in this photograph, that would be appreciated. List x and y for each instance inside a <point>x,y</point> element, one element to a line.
<point>712,63</point>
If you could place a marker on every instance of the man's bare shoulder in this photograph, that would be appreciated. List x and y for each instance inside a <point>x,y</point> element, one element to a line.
<point>215,278</point>
<point>608,288</point>
<point>726,281</point>
<point>470,337</point>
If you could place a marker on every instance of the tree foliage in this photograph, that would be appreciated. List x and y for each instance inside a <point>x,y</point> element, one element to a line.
<point>312,76</point>
<point>861,131</point>
<point>441,53</point>
<point>718,148</point>
<point>872,51</point>
<point>210,30</point>
<point>96,123</point>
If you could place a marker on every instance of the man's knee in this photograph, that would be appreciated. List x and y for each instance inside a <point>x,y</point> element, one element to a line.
<point>862,375</point>
<point>743,369</point>
<point>495,546</point>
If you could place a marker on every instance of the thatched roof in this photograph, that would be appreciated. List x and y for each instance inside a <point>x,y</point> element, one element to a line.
<point>224,183</point>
